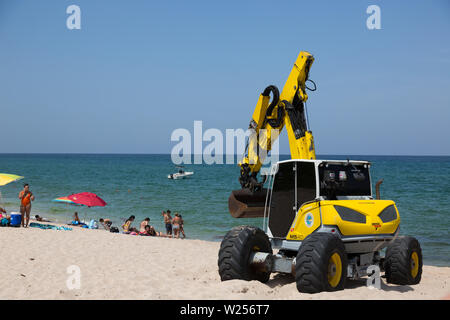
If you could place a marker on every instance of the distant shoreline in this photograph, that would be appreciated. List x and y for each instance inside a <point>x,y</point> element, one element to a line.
<point>224,155</point>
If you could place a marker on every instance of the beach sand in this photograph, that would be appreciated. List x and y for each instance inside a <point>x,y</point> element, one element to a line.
<point>36,264</point>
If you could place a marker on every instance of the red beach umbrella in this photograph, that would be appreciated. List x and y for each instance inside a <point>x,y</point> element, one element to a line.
<point>88,199</point>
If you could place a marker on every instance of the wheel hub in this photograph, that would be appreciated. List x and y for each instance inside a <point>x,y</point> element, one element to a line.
<point>334,270</point>
<point>414,264</point>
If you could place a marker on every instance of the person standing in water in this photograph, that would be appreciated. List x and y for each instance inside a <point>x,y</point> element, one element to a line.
<point>168,222</point>
<point>25,196</point>
<point>176,222</point>
<point>182,226</point>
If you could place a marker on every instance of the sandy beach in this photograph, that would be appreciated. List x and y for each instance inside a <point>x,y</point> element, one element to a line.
<point>38,264</point>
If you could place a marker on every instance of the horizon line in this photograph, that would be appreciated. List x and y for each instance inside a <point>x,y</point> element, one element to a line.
<point>281,154</point>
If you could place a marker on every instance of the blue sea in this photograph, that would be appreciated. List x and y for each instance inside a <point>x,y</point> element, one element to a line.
<point>138,185</point>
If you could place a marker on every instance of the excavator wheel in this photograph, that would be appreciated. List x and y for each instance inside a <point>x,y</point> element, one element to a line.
<point>403,262</point>
<point>235,252</point>
<point>321,264</point>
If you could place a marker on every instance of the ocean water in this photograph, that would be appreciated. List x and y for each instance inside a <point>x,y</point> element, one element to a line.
<point>138,185</point>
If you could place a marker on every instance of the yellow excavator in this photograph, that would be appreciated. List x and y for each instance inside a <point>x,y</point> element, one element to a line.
<point>319,216</point>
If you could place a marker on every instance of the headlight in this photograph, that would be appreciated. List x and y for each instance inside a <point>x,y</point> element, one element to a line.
<point>351,215</point>
<point>388,214</point>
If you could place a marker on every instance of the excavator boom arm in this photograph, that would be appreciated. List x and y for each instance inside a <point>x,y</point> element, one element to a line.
<point>285,110</point>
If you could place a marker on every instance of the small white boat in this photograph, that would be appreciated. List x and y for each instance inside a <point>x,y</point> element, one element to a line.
<point>181,174</point>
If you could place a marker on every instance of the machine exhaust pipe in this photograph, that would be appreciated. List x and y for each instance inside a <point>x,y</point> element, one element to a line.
<point>377,188</point>
<point>246,204</point>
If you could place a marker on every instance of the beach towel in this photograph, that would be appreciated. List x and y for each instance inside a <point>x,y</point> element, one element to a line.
<point>76,223</point>
<point>48,226</point>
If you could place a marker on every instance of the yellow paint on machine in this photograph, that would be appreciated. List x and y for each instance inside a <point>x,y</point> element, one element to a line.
<point>306,221</point>
<point>324,212</point>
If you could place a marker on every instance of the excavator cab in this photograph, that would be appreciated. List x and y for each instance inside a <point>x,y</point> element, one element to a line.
<point>299,182</point>
<point>296,182</point>
<point>293,184</point>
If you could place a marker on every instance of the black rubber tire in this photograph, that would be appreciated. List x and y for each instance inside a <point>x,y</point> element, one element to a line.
<point>311,265</point>
<point>235,250</point>
<point>398,261</point>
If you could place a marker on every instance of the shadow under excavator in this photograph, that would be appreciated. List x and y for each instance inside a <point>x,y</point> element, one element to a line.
<point>352,284</point>
<point>284,279</point>
<point>280,279</point>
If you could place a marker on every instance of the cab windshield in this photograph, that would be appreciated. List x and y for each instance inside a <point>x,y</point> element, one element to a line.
<point>346,179</point>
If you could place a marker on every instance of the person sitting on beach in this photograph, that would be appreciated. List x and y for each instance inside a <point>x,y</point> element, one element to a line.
<point>146,229</point>
<point>167,222</point>
<point>106,223</point>
<point>4,218</point>
<point>176,225</point>
<point>143,224</point>
<point>150,231</point>
<point>40,219</point>
<point>76,220</point>
<point>127,225</point>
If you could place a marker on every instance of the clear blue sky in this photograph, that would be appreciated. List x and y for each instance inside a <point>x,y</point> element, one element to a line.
<point>139,69</point>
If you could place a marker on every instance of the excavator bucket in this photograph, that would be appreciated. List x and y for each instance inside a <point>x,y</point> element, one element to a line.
<point>246,204</point>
